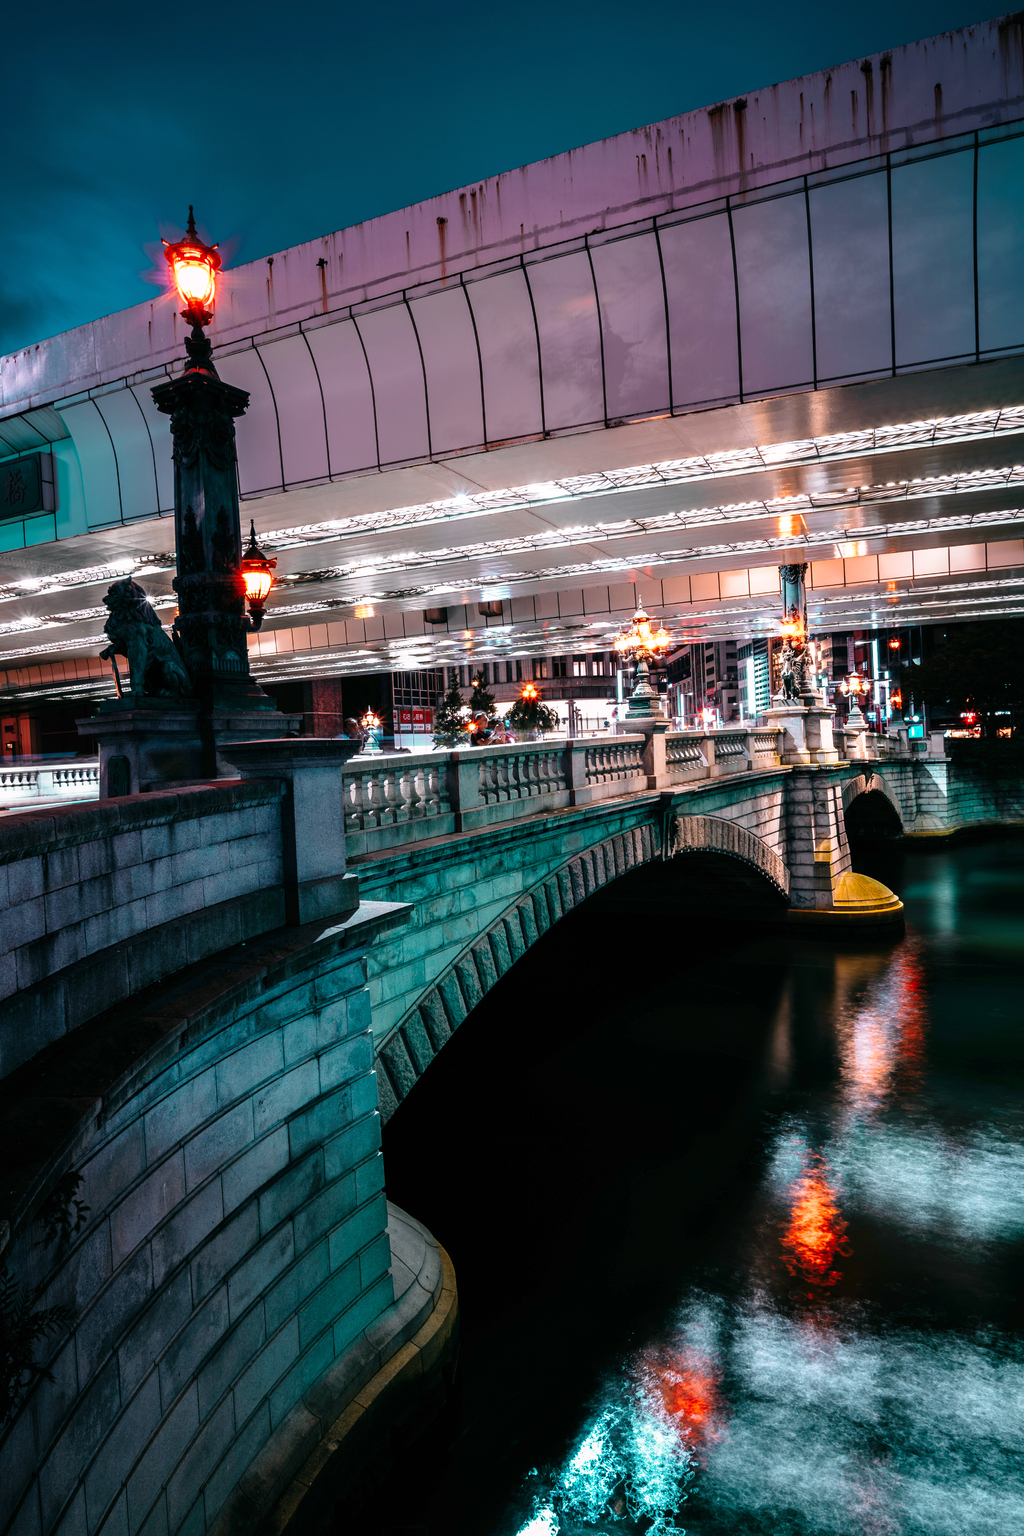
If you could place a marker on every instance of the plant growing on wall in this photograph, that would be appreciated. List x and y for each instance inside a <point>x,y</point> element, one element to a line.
<point>22,1327</point>
<point>62,1214</point>
<point>449,721</point>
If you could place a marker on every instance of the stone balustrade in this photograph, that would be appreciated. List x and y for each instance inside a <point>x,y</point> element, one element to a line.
<point>23,782</point>
<point>395,799</point>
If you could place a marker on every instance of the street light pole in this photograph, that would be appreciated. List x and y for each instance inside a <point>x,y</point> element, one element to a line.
<point>193,697</point>
<point>212,626</point>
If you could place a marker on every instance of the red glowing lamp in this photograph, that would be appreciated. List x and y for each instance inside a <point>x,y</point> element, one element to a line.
<point>258,575</point>
<point>894,644</point>
<point>529,693</point>
<point>195,267</point>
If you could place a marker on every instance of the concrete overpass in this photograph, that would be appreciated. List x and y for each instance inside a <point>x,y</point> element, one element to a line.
<point>785,326</point>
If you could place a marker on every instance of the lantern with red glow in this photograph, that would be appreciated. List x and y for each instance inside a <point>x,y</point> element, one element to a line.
<point>195,267</point>
<point>894,643</point>
<point>529,693</point>
<point>258,574</point>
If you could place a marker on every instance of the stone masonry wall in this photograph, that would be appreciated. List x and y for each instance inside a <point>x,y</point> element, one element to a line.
<point>235,1249</point>
<point>481,901</point>
<point>98,901</point>
<point>941,796</point>
<point>817,850</point>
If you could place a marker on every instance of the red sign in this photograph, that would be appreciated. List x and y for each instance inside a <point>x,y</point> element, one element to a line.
<point>405,718</point>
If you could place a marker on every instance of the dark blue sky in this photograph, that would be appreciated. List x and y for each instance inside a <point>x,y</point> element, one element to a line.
<point>282,122</point>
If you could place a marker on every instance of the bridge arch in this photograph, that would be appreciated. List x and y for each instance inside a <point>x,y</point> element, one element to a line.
<point>870,807</point>
<point>427,1026</point>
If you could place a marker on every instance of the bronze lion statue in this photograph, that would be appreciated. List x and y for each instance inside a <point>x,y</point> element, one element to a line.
<point>135,632</point>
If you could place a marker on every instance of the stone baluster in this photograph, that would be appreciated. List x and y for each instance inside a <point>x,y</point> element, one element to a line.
<point>707,747</point>
<point>390,800</point>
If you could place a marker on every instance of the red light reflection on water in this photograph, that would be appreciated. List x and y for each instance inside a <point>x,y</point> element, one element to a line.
<point>684,1382</point>
<point>815,1235</point>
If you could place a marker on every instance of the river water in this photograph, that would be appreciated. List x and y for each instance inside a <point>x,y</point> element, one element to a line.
<point>738,1225</point>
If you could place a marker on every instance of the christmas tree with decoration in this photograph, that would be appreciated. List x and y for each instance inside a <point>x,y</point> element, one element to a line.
<point>449,721</point>
<point>482,701</point>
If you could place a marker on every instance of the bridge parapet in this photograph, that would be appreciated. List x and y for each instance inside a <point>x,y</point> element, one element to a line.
<point>394,800</point>
<point>24,782</point>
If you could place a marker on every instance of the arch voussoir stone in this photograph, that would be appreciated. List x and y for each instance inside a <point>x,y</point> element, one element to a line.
<point>485,967</point>
<point>418,1043</point>
<point>713,834</point>
<point>435,1021</point>
<point>528,920</point>
<point>514,935</point>
<point>452,1000</point>
<point>500,954</point>
<point>409,1049</point>
<point>399,1064</point>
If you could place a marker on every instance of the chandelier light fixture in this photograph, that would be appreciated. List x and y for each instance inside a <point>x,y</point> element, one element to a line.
<point>644,644</point>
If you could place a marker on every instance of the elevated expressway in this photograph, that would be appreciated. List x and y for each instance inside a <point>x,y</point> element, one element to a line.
<point>789,326</point>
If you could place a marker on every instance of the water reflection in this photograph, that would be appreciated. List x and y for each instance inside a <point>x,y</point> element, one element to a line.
<point>815,1234</point>
<point>789,1396</point>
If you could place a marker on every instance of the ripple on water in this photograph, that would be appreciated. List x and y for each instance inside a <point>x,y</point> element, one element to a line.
<point>816,1425</point>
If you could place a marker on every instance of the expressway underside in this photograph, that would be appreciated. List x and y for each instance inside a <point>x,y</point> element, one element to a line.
<point>906,495</point>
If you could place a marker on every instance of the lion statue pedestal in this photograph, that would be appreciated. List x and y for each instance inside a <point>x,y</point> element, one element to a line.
<point>155,734</point>
<point>807,725</point>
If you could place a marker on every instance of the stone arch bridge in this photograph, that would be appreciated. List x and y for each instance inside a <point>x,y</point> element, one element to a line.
<point>212,997</point>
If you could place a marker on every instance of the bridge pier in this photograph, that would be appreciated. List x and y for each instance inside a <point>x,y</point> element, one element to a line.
<point>824,891</point>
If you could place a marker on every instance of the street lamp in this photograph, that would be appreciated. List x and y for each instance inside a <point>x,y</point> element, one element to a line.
<point>214,580</point>
<point>854,688</point>
<point>194,266</point>
<point>258,575</point>
<point>645,644</point>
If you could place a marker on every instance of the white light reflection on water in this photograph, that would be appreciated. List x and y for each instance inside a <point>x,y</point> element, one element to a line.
<point>792,1407</point>
<point>838,1430</point>
<point>821,1427</point>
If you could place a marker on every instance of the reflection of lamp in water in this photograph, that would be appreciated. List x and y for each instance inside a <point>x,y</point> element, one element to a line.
<point>815,1235</point>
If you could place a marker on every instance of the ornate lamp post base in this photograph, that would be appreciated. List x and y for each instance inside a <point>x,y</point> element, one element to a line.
<point>643,701</point>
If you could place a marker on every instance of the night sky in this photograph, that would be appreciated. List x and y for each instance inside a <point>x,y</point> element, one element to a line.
<point>283,122</point>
